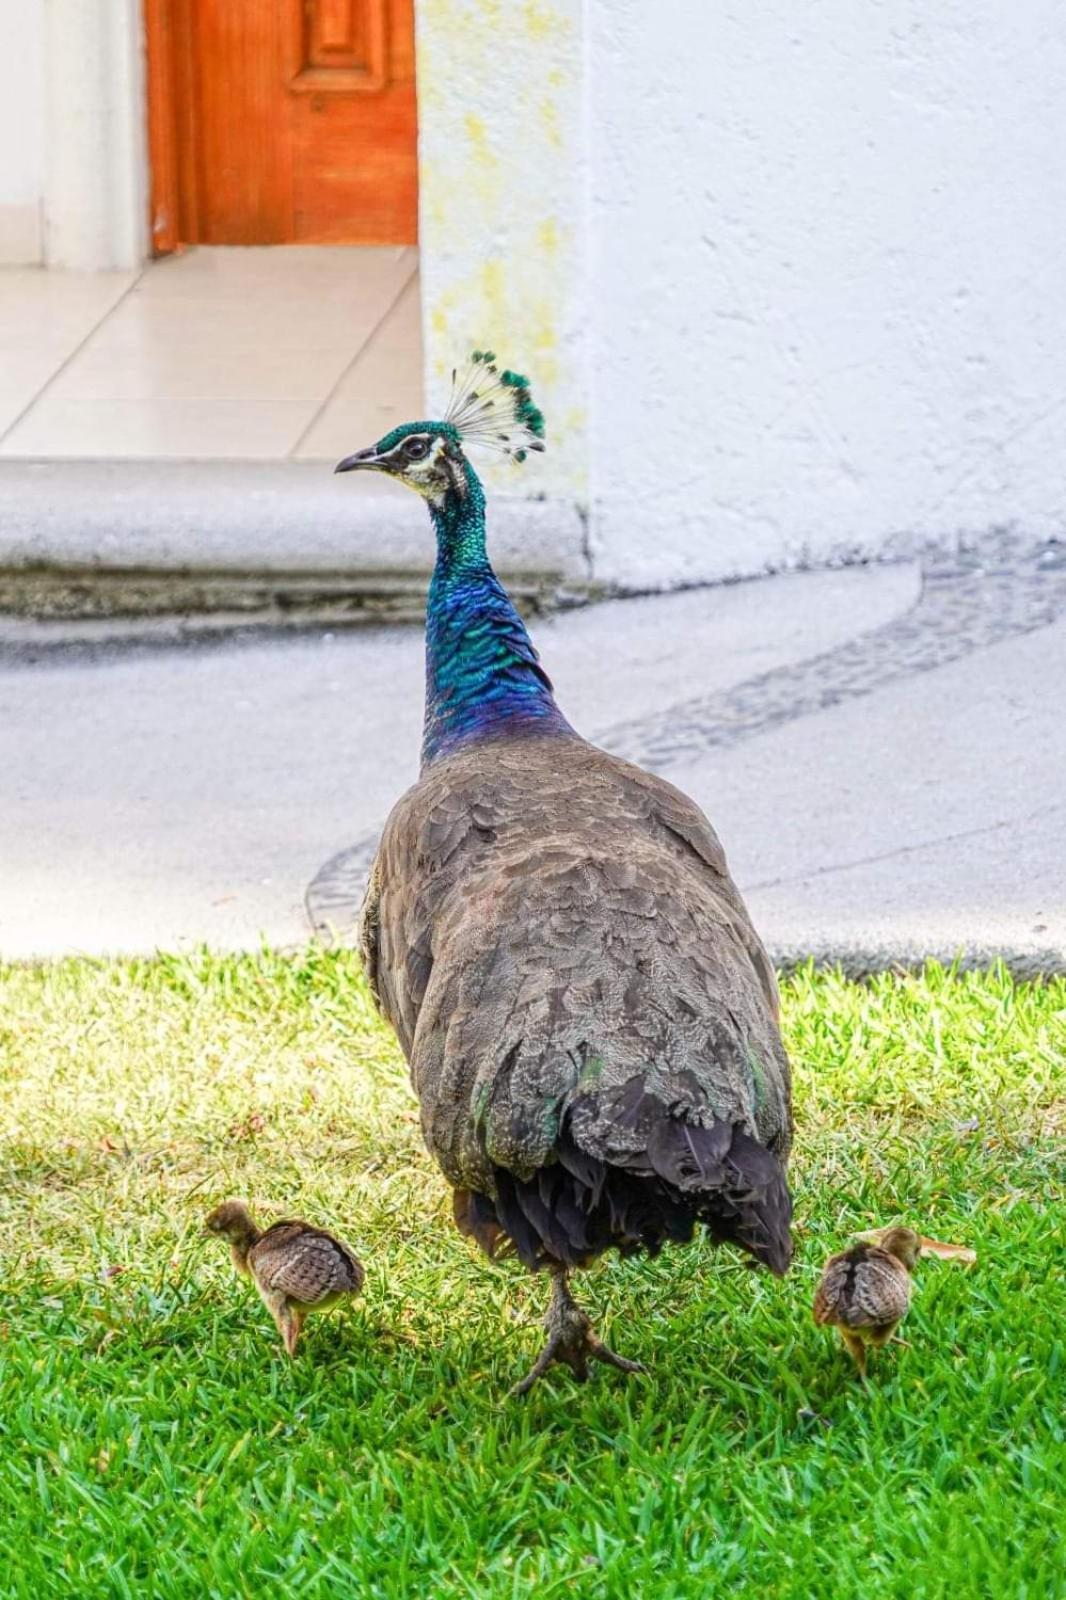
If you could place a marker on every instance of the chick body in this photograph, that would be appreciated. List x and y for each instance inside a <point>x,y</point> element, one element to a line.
<point>865,1291</point>
<point>295,1267</point>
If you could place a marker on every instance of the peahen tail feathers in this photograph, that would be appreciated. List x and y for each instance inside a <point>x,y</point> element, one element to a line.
<point>581,1205</point>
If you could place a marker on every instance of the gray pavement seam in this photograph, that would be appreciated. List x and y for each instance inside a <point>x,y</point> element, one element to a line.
<point>903,850</point>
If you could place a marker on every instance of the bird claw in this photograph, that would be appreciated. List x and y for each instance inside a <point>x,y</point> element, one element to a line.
<point>577,1358</point>
<point>610,1358</point>
<point>571,1343</point>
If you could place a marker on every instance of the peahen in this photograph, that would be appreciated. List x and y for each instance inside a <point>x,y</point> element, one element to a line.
<point>589,1016</point>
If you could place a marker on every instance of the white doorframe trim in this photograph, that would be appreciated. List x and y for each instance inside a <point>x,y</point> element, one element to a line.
<point>96,139</point>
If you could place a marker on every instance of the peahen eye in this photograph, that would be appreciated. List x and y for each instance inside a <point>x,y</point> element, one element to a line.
<point>415,449</point>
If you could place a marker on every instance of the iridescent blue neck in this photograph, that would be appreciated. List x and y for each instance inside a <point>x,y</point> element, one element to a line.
<point>483,679</point>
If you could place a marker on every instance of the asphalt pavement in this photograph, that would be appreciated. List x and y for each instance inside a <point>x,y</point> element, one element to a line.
<point>881,748</point>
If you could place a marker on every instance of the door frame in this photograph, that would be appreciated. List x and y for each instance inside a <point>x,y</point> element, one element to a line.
<point>171,198</point>
<point>95,186</point>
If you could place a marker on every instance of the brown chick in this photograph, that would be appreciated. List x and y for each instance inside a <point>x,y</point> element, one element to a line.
<point>296,1268</point>
<point>866,1291</point>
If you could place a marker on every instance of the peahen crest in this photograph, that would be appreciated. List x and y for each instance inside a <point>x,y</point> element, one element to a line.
<point>494,409</point>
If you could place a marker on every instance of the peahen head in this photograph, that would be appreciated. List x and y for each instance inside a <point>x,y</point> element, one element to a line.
<point>427,456</point>
<point>488,407</point>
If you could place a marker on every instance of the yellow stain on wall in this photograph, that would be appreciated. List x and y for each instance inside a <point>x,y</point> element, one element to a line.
<point>548,236</point>
<point>478,135</point>
<point>493,294</point>
<point>435,11</point>
<point>549,122</point>
<point>543,22</point>
<point>500,302</point>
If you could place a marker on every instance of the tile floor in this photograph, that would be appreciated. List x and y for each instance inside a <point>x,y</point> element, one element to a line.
<point>217,353</point>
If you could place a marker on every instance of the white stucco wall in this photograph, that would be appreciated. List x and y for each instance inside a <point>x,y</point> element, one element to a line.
<point>827,280</point>
<point>501,108</point>
<point>807,288</point>
<point>21,130</point>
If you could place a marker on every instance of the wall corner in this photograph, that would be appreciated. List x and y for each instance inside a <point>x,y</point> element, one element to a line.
<point>503,173</point>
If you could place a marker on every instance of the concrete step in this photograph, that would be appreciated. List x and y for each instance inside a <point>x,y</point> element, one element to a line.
<point>282,542</point>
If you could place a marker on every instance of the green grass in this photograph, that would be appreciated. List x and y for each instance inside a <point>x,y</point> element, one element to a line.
<point>155,1442</point>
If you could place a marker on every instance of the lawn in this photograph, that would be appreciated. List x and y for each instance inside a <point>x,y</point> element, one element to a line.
<point>157,1443</point>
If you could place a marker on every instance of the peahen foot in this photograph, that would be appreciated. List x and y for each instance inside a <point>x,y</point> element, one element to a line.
<point>570,1341</point>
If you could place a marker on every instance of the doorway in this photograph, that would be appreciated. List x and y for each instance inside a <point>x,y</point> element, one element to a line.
<point>281,122</point>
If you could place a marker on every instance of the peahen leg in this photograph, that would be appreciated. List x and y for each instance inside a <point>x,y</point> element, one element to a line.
<point>570,1340</point>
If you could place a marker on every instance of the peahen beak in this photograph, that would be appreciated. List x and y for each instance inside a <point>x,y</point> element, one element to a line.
<point>362,460</point>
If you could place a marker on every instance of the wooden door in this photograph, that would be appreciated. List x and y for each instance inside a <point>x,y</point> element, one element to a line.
<point>282,122</point>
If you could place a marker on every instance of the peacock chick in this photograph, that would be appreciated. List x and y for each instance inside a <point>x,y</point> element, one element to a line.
<point>296,1268</point>
<point>865,1291</point>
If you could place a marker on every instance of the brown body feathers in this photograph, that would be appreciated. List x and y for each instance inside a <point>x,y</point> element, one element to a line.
<point>589,1016</point>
